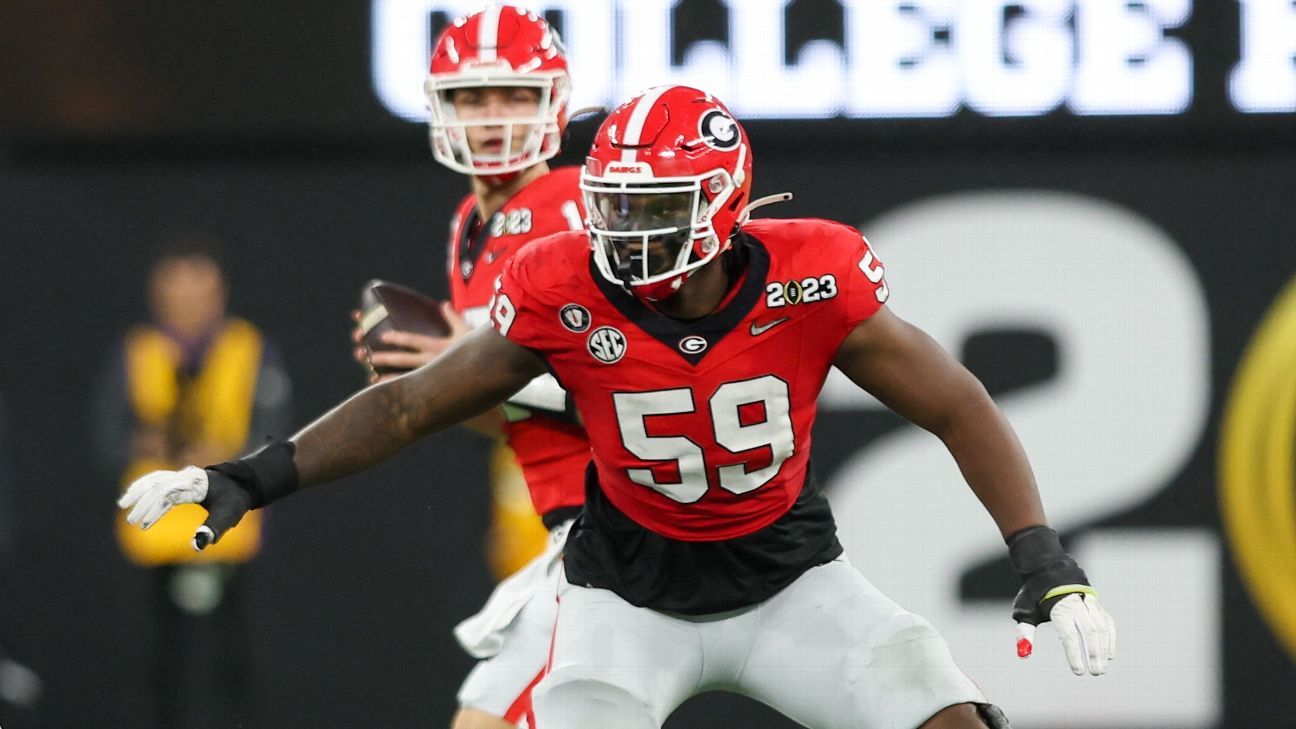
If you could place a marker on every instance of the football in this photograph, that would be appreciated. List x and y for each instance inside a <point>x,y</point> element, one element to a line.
<point>386,306</point>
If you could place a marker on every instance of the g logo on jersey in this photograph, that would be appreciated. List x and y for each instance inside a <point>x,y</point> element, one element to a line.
<point>719,130</point>
<point>692,345</point>
<point>574,318</point>
<point>607,345</point>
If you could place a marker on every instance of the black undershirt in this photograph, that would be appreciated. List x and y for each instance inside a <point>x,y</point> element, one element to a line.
<point>609,550</point>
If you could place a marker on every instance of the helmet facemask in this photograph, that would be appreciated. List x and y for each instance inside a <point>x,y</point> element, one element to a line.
<point>542,131</point>
<point>650,236</point>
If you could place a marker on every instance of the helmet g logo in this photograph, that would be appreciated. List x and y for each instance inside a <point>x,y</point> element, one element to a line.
<point>719,130</point>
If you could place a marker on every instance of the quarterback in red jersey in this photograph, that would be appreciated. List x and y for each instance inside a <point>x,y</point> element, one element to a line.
<point>695,343</point>
<point>497,93</point>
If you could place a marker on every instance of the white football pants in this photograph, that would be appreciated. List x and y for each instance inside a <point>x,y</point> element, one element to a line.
<point>511,635</point>
<point>828,651</point>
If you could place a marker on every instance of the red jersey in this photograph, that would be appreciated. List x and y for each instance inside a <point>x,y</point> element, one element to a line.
<point>553,454</point>
<point>701,430</point>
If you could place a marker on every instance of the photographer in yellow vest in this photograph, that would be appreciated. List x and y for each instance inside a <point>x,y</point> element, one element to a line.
<point>193,385</point>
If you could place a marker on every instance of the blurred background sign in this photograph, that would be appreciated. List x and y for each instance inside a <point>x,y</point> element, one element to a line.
<point>984,68</point>
<point>862,59</point>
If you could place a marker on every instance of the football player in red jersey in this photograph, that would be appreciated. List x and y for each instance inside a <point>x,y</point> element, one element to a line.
<point>695,343</point>
<point>497,92</point>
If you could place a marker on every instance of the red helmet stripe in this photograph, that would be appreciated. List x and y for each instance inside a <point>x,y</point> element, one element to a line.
<point>488,33</point>
<point>634,127</point>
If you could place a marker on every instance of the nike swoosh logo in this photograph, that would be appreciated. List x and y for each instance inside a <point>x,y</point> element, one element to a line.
<point>759,329</point>
<point>492,255</point>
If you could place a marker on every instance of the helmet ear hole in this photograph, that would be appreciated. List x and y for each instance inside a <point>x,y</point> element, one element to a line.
<point>715,184</point>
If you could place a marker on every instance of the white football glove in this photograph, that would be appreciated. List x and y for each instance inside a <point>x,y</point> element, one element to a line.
<point>1086,629</point>
<point>154,494</point>
<point>227,491</point>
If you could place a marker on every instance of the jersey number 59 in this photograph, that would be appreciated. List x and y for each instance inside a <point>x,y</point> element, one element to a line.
<point>728,406</point>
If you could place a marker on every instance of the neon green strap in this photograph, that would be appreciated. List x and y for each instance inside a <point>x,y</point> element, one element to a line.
<point>1067,590</point>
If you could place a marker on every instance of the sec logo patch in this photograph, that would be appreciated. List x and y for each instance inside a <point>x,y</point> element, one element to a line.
<point>606,344</point>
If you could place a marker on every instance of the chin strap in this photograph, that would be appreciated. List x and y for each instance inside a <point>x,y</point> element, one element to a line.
<point>745,215</point>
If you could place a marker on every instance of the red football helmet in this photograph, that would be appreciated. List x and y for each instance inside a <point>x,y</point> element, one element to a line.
<point>501,46</point>
<point>666,184</point>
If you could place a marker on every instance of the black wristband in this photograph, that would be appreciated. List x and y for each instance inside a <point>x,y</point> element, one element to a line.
<point>1034,548</point>
<point>1047,572</point>
<point>268,474</point>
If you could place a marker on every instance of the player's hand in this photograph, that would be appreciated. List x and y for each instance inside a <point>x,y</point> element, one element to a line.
<point>358,351</point>
<point>153,495</point>
<point>1086,629</point>
<point>1055,589</point>
<point>417,350</point>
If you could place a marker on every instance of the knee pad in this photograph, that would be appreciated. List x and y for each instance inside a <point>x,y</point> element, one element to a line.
<point>993,716</point>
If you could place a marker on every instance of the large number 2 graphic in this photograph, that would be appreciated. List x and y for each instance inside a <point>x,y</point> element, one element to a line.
<point>1118,423</point>
<point>774,431</point>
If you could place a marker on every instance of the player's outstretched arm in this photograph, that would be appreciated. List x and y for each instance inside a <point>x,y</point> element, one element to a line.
<point>476,374</point>
<point>909,372</point>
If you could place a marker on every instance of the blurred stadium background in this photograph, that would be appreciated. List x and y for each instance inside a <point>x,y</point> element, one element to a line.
<point>1090,201</point>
